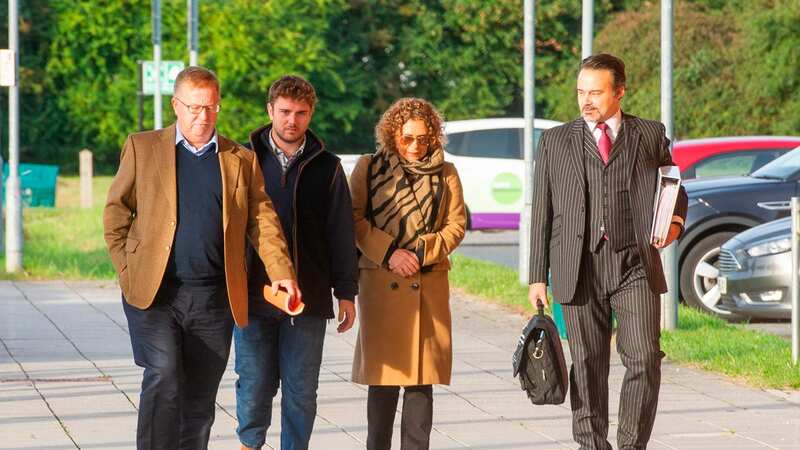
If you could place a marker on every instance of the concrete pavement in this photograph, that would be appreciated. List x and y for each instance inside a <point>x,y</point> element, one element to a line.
<point>67,381</point>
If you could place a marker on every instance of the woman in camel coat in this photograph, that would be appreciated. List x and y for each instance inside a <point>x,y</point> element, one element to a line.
<point>409,216</point>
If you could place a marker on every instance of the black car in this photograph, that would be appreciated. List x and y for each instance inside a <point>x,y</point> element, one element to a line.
<point>756,271</point>
<point>720,208</point>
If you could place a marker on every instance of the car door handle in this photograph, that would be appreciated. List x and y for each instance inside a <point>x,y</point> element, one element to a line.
<point>775,206</point>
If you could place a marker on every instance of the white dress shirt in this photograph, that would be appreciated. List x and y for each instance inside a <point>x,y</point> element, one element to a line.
<point>614,123</point>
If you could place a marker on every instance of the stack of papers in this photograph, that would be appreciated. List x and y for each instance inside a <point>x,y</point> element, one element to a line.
<point>669,183</point>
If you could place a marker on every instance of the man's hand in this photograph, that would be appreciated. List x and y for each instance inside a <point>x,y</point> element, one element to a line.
<point>672,235</point>
<point>347,315</point>
<point>537,292</point>
<point>403,263</point>
<point>291,288</point>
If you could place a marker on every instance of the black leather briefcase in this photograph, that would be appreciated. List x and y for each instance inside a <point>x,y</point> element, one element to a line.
<point>539,362</point>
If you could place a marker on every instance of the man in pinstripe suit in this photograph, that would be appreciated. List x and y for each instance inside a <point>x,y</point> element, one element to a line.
<point>592,209</point>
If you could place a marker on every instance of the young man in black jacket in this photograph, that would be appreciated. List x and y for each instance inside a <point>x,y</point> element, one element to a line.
<point>309,191</point>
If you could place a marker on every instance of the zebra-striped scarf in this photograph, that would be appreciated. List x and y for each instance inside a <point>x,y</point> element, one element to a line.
<point>404,196</point>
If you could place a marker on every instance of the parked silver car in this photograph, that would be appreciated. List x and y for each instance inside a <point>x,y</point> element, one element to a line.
<point>755,270</point>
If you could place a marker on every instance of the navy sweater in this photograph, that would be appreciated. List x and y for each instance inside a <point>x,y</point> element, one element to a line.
<point>197,255</point>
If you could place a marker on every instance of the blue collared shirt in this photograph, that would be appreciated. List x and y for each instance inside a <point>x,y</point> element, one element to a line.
<point>197,152</point>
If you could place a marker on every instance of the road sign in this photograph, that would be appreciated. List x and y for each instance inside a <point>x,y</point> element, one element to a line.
<point>169,71</point>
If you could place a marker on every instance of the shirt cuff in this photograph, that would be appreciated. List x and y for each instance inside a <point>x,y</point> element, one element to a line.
<point>678,220</point>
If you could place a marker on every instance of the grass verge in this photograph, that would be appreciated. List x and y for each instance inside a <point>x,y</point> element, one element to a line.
<point>760,359</point>
<point>63,243</point>
<point>756,358</point>
<point>489,281</point>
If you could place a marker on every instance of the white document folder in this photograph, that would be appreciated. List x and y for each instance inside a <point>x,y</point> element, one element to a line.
<point>669,183</point>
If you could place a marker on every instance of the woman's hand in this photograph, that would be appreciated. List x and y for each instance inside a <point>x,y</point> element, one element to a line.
<point>404,263</point>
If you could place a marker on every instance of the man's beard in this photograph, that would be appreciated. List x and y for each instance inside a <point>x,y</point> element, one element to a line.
<point>289,141</point>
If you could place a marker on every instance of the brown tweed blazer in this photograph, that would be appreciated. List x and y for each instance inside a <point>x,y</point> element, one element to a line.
<point>140,217</point>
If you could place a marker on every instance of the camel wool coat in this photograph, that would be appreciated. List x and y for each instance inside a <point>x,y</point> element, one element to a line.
<point>404,337</point>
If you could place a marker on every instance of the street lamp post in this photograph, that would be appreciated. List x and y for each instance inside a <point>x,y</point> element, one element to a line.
<point>587,28</point>
<point>156,14</point>
<point>13,201</point>
<point>527,209</point>
<point>192,24</point>
<point>669,256</point>
<point>795,284</point>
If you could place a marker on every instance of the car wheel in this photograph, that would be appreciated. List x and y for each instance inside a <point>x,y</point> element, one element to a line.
<point>699,274</point>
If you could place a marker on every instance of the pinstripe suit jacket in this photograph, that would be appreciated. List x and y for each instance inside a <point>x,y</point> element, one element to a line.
<point>558,221</point>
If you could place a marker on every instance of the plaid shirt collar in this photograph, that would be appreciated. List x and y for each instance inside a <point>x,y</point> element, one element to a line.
<point>282,158</point>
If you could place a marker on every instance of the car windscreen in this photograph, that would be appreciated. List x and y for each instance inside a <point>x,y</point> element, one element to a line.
<point>782,167</point>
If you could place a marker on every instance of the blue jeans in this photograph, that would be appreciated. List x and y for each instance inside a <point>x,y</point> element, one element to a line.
<point>270,352</point>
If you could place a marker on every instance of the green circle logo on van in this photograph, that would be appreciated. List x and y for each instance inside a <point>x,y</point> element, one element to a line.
<point>506,188</point>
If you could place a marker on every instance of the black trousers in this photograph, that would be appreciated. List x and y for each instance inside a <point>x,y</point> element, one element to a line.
<point>416,422</point>
<point>182,341</point>
<point>613,280</point>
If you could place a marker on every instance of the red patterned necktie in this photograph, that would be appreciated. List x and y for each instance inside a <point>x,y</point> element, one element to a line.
<point>604,146</point>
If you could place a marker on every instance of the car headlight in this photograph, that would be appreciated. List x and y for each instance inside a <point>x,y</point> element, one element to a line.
<point>771,247</point>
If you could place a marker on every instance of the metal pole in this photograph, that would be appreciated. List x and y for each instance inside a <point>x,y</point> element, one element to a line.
<point>669,257</point>
<point>587,28</point>
<point>795,279</point>
<point>13,200</point>
<point>139,95</point>
<point>192,24</point>
<point>156,13</point>
<point>2,208</point>
<point>525,215</point>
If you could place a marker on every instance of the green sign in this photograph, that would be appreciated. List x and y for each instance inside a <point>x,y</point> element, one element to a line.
<point>169,71</point>
<point>506,188</point>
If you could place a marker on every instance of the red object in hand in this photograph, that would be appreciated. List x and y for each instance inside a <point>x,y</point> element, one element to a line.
<point>283,301</point>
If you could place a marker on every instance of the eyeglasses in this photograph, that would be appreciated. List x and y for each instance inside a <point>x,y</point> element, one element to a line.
<point>197,109</point>
<point>423,140</point>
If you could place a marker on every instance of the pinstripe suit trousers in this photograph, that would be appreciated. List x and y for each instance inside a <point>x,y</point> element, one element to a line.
<point>613,280</point>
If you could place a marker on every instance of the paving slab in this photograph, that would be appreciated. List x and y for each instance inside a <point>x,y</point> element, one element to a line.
<point>67,380</point>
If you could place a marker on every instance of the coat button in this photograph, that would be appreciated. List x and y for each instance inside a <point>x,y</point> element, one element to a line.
<point>415,286</point>
<point>394,285</point>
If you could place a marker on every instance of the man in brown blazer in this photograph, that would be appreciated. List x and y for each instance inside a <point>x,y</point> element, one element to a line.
<point>593,196</point>
<point>178,211</point>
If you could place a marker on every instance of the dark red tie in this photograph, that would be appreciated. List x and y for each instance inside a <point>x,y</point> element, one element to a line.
<point>604,146</point>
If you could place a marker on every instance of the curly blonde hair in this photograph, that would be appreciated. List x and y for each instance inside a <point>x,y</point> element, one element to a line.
<point>401,112</point>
